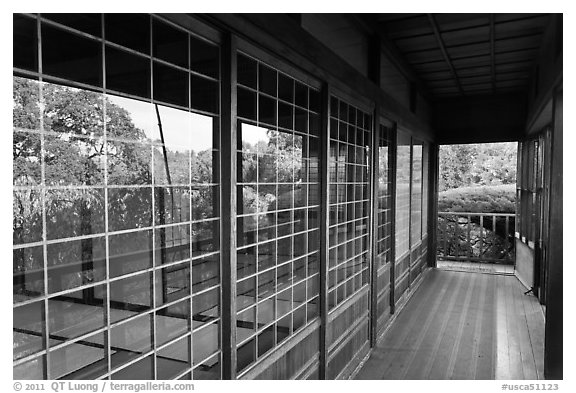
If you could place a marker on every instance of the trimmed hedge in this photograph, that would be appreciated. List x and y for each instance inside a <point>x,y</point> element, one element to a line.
<point>479,199</point>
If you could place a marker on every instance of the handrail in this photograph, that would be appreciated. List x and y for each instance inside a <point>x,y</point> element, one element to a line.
<point>476,237</point>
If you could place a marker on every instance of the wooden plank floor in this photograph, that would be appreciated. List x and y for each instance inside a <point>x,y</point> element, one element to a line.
<point>463,325</point>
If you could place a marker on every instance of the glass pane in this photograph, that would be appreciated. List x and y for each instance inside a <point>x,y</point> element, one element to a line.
<point>130,340</point>
<point>268,79</point>
<point>130,296</point>
<point>74,212</point>
<point>85,359</point>
<point>246,355</point>
<point>25,43</point>
<point>206,307</point>
<point>210,369</point>
<point>204,57</point>
<point>32,369</point>
<point>205,273</point>
<point>247,71</point>
<point>205,237</point>
<point>266,340</point>
<point>70,56</point>
<point>245,293</point>
<point>169,44</point>
<point>129,30</point>
<point>416,205</point>
<point>141,370</point>
<point>267,110</point>
<point>246,103</point>
<point>76,263</point>
<point>88,23</point>
<point>245,324</point>
<point>130,252</point>
<point>172,244</point>
<point>204,94</point>
<point>127,72</point>
<point>28,273</point>
<point>130,119</point>
<point>74,161</point>
<point>172,321</point>
<point>402,194</point>
<point>170,85</point>
<point>172,283</point>
<point>26,217</point>
<point>285,88</point>
<point>172,205</point>
<point>206,343</point>
<point>129,208</point>
<point>172,360</point>
<point>28,325</point>
<point>76,313</point>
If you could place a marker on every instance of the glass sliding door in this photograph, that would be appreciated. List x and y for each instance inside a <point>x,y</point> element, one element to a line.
<point>116,200</point>
<point>383,234</point>
<point>278,209</point>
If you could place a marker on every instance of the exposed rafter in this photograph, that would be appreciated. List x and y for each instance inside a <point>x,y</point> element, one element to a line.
<point>492,57</point>
<point>440,41</point>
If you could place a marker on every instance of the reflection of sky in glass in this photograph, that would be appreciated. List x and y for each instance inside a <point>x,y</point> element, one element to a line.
<point>182,130</point>
<point>252,134</point>
<point>140,112</point>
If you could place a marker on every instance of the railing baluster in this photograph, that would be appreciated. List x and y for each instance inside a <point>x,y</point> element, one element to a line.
<point>481,250</point>
<point>481,236</point>
<point>468,244</point>
<point>506,242</point>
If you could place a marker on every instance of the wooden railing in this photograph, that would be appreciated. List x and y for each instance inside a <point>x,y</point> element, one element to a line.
<point>476,237</point>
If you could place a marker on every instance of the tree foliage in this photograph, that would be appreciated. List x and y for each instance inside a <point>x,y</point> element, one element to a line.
<point>477,165</point>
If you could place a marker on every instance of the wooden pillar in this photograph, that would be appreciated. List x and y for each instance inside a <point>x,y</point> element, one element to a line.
<point>392,164</point>
<point>374,62</point>
<point>553,340</point>
<point>373,216</point>
<point>433,177</point>
<point>324,223</point>
<point>228,141</point>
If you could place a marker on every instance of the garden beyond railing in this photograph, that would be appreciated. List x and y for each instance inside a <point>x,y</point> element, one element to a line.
<point>476,237</point>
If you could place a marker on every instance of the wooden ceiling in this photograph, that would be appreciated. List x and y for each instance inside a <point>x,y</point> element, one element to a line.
<point>465,54</point>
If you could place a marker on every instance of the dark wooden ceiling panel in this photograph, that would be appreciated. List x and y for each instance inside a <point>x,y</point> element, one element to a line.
<point>514,83</point>
<point>473,80</point>
<point>425,68</point>
<point>413,26</point>
<point>424,56</point>
<point>418,43</point>
<point>441,83</point>
<point>513,76</point>
<point>511,17</point>
<point>514,66</point>
<point>473,71</point>
<point>472,61</point>
<point>439,75</point>
<point>521,27</point>
<point>458,52</point>
<point>455,54</point>
<point>461,21</point>
<point>519,43</point>
<point>466,36</point>
<point>516,55</point>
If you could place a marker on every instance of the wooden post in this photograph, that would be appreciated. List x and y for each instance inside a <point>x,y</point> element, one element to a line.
<point>228,136</point>
<point>392,163</point>
<point>324,223</point>
<point>553,341</point>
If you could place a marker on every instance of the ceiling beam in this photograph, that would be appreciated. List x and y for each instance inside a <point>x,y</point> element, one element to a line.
<point>368,26</point>
<point>492,39</point>
<point>492,54</point>
<point>443,49</point>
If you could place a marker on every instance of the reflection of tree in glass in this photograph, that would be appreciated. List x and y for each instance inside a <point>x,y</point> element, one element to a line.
<point>279,159</point>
